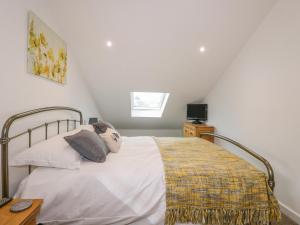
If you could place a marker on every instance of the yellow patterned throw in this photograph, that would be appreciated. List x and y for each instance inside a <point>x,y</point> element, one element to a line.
<point>206,184</point>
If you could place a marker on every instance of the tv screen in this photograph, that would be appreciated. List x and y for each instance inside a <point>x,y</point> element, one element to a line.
<point>197,112</point>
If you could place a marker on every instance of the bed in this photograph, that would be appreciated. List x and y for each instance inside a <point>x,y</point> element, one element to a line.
<point>138,186</point>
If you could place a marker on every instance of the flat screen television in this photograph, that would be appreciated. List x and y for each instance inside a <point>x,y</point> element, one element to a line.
<point>197,112</point>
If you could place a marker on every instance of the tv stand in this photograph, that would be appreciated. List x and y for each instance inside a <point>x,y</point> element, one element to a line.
<point>197,122</point>
<point>194,130</point>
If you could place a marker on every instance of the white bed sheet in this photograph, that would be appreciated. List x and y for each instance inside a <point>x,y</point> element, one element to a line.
<point>128,188</point>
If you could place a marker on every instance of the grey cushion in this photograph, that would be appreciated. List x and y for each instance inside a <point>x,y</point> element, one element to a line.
<point>89,145</point>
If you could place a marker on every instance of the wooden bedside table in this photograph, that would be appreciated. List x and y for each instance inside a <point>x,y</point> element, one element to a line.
<point>26,217</point>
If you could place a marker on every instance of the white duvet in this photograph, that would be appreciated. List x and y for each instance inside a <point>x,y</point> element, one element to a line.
<point>128,188</point>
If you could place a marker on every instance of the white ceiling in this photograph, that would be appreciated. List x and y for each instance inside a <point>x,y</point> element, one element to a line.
<point>155,48</point>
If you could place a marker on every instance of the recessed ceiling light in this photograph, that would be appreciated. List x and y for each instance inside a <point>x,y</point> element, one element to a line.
<point>109,44</point>
<point>202,49</point>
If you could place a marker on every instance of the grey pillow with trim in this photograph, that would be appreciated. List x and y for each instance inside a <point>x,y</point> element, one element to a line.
<point>89,145</point>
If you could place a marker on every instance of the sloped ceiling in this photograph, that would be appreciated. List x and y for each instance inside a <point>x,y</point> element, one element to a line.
<point>155,48</point>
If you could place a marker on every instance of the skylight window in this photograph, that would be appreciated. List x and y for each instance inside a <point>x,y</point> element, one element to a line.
<point>148,104</point>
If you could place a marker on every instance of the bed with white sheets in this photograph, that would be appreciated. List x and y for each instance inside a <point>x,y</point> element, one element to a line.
<point>128,188</point>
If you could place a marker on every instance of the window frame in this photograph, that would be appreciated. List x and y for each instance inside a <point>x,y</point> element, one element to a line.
<point>147,111</point>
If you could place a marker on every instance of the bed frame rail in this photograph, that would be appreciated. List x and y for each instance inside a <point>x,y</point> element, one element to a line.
<point>5,138</point>
<point>271,180</point>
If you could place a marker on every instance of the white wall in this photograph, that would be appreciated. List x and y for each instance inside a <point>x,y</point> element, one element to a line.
<point>256,101</point>
<point>154,132</point>
<point>20,91</point>
<point>156,53</point>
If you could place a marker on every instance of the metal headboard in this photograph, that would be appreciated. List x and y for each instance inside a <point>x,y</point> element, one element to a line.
<point>271,179</point>
<point>5,139</point>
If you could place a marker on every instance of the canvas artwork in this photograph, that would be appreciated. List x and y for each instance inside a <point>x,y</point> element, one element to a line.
<point>47,52</point>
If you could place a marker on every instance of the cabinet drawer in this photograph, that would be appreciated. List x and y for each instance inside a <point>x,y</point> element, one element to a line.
<point>206,130</point>
<point>186,132</point>
<point>189,131</point>
<point>192,133</point>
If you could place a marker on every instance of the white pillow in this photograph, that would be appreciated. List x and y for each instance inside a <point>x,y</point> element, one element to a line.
<point>54,152</point>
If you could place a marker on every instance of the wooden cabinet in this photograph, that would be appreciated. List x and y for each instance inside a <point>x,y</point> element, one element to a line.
<point>26,217</point>
<point>194,130</point>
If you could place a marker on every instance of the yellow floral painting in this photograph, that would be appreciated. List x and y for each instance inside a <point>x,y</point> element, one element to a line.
<point>46,52</point>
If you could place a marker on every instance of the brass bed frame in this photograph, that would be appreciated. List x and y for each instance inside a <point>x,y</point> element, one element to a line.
<point>5,139</point>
